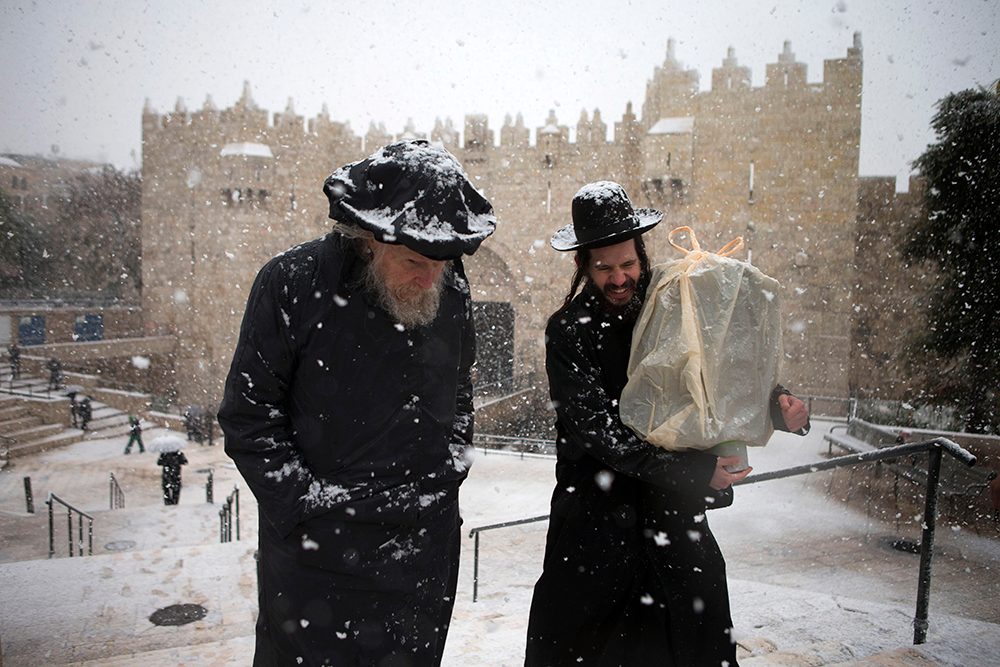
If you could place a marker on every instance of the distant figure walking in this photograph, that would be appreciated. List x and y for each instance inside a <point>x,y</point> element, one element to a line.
<point>15,361</point>
<point>55,374</point>
<point>74,408</point>
<point>85,412</point>
<point>134,435</point>
<point>171,458</point>
<point>193,418</point>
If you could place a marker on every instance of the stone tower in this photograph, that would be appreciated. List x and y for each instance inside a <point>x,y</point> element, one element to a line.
<point>223,191</point>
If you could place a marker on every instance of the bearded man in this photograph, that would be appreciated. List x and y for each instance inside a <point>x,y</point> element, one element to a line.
<point>348,411</point>
<point>632,573</point>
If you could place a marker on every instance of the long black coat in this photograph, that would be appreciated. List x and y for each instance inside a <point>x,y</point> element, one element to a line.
<point>600,599</point>
<point>351,432</point>
<point>171,476</point>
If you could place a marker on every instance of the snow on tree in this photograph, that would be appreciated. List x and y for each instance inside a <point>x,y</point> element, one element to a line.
<point>957,350</point>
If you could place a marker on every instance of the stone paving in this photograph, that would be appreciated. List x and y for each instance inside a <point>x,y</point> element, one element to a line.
<point>813,582</point>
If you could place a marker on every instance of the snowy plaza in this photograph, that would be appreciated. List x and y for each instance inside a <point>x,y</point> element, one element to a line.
<point>813,581</point>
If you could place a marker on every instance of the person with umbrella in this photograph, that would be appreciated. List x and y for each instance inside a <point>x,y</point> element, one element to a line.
<point>171,459</point>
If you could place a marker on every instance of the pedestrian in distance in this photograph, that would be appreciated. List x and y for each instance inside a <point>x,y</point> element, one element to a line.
<point>14,355</point>
<point>348,411</point>
<point>135,435</point>
<point>74,408</point>
<point>55,374</point>
<point>170,448</point>
<point>632,574</point>
<point>189,423</point>
<point>85,412</point>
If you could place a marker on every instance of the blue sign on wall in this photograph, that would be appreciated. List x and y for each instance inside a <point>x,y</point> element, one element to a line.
<point>89,327</point>
<point>31,330</point>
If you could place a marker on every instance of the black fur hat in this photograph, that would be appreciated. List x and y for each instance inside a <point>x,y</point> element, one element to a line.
<point>414,194</point>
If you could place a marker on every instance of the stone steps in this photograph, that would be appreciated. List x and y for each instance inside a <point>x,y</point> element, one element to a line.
<point>66,436</point>
<point>31,435</point>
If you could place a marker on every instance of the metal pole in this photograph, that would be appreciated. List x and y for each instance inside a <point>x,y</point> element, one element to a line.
<point>69,523</point>
<point>29,499</point>
<point>475,571</point>
<point>52,533</point>
<point>90,537</point>
<point>208,488</point>
<point>236,497</point>
<point>222,524</point>
<point>79,533</point>
<point>111,491</point>
<point>926,547</point>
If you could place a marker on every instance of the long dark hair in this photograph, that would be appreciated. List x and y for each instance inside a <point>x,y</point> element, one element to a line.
<point>583,261</point>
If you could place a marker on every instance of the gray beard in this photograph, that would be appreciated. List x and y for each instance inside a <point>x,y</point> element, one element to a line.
<point>417,308</point>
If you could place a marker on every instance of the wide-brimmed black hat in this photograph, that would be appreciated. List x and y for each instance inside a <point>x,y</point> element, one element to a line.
<point>414,194</point>
<point>603,216</point>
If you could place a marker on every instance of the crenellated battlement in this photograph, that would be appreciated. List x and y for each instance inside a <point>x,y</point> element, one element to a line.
<point>671,92</point>
<point>224,189</point>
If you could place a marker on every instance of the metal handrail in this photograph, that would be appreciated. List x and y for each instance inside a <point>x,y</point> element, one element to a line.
<point>475,533</point>
<point>115,493</point>
<point>934,448</point>
<point>52,499</point>
<point>515,443</point>
<point>511,383</point>
<point>226,517</point>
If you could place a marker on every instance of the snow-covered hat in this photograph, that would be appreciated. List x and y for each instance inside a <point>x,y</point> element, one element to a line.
<point>414,194</point>
<point>603,216</point>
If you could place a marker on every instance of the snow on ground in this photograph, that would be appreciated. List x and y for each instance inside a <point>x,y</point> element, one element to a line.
<point>812,581</point>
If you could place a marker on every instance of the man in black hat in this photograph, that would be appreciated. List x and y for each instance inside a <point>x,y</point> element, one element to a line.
<point>348,410</point>
<point>632,574</point>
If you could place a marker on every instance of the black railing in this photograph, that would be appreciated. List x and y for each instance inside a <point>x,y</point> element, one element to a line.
<point>507,443</point>
<point>70,510</point>
<point>29,497</point>
<point>934,449</point>
<point>115,493</point>
<point>210,488</point>
<point>475,533</point>
<point>505,385</point>
<point>230,509</point>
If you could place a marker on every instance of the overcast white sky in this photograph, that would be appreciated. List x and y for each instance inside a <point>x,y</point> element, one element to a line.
<point>75,74</point>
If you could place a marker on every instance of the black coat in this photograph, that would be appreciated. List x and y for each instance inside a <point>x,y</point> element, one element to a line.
<point>171,462</point>
<point>598,599</point>
<point>351,432</point>
<point>632,572</point>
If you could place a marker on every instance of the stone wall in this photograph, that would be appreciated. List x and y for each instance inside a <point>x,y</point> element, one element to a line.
<point>223,191</point>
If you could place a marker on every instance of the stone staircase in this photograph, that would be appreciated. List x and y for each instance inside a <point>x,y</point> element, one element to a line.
<point>23,431</point>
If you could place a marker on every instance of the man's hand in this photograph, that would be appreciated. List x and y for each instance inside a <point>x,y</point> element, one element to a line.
<point>793,411</point>
<point>722,478</point>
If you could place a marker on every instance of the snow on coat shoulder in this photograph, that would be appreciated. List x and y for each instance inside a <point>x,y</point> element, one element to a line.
<point>706,354</point>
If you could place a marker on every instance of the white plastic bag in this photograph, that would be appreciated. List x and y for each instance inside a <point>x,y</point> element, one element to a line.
<point>706,352</point>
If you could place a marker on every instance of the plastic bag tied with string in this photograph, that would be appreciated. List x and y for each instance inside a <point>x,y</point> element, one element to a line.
<point>706,352</point>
